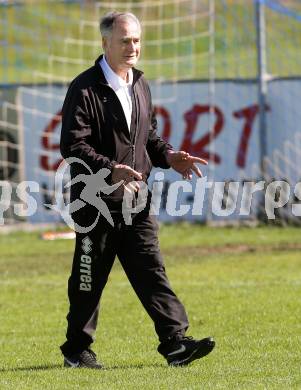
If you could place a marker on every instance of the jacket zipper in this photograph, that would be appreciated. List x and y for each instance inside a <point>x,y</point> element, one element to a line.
<point>133,145</point>
<point>134,203</point>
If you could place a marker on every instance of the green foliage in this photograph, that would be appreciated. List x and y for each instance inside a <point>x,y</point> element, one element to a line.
<point>240,285</point>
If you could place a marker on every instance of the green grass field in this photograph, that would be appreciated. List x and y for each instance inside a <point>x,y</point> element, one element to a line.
<point>240,285</point>
<point>44,41</point>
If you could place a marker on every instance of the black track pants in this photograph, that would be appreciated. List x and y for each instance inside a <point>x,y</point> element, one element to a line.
<point>137,248</point>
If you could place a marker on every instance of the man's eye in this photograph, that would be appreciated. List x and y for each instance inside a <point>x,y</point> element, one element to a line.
<point>127,41</point>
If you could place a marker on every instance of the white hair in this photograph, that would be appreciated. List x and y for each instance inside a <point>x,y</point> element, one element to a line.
<point>107,21</point>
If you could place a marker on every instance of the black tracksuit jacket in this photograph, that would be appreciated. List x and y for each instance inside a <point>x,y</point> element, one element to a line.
<point>95,130</point>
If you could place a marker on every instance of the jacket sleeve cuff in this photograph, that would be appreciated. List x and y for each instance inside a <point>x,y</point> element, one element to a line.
<point>166,153</point>
<point>110,165</point>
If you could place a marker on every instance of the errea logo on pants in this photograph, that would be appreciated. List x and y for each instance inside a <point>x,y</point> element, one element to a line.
<point>86,245</point>
<point>85,265</point>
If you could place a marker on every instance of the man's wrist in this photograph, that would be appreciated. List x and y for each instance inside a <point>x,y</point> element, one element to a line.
<point>111,167</point>
<point>168,155</point>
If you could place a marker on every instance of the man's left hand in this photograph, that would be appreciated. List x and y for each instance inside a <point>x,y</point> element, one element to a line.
<point>185,164</point>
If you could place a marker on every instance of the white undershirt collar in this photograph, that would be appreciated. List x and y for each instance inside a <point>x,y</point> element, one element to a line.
<point>112,78</point>
<point>122,88</point>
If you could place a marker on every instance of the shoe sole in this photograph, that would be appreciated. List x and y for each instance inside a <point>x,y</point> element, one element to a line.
<point>69,364</point>
<point>77,365</point>
<point>197,354</point>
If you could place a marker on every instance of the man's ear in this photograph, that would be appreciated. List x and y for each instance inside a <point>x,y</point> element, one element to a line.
<point>103,42</point>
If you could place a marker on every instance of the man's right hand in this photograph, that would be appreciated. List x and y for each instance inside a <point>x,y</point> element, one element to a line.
<point>128,175</point>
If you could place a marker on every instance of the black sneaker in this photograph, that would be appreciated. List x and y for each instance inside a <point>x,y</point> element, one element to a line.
<point>86,359</point>
<point>183,351</point>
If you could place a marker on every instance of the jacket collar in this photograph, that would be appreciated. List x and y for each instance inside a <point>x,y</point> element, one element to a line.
<point>101,77</point>
<point>114,80</point>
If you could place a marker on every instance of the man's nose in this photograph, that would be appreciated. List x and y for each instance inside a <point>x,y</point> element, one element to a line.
<point>132,45</point>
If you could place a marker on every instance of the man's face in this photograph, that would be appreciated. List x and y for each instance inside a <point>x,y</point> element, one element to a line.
<point>122,48</point>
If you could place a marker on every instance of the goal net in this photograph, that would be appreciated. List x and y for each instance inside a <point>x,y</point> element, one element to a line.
<point>201,58</point>
<point>46,45</point>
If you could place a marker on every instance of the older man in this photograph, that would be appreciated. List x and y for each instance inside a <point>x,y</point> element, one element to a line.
<point>109,122</point>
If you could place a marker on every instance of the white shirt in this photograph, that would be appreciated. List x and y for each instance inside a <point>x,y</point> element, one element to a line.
<point>123,89</point>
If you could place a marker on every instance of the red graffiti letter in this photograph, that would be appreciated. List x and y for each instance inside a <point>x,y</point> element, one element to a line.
<point>198,148</point>
<point>44,159</point>
<point>249,114</point>
<point>166,122</point>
